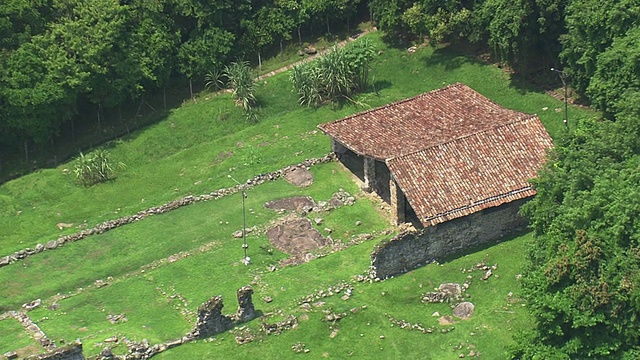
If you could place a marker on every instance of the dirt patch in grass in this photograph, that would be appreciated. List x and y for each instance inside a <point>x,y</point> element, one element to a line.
<point>299,176</point>
<point>292,204</point>
<point>296,237</point>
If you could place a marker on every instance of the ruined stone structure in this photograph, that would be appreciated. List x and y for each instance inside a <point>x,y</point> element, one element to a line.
<point>246,310</point>
<point>71,352</point>
<point>211,321</point>
<point>413,249</point>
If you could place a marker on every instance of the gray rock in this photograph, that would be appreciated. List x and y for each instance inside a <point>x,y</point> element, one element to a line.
<point>464,310</point>
<point>50,245</point>
<point>5,261</point>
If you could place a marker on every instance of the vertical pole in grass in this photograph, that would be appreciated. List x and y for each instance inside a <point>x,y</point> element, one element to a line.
<point>563,76</point>
<point>246,260</point>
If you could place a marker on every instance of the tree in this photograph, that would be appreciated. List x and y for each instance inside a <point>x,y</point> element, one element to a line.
<point>39,91</point>
<point>617,72</point>
<point>591,27</point>
<point>204,51</point>
<point>583,275</point>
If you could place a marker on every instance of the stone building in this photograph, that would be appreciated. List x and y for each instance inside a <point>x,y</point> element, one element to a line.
<point>442,155</point>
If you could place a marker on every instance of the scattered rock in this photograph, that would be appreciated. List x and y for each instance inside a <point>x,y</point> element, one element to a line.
<point>237,234</point>
<point>310,50</point>
<point>486,275</point>
<point>32,305</point>
<point>464,310</point>
<point>293,204</point>
<point>112,339</point>
<point>445,320</point>
<point>50,245</point>
<point>10,355</point>
<point>62,226</point>
<point>6,260</point>
<point>117,319</point>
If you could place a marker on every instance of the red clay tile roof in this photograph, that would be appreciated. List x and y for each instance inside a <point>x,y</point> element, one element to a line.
<point>476,172</point>
<point>420,122</point>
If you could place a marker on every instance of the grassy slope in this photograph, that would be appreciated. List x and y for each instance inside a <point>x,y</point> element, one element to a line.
<point>187,153</point>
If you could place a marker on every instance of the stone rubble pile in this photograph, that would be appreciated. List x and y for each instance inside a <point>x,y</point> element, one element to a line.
<point>291,322</point>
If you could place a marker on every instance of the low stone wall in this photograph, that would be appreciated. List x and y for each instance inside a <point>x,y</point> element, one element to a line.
<point>71,352</point>
<point>412,249</point>
<point>187,200</point>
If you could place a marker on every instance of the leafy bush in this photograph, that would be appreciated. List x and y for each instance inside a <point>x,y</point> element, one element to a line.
<point>94,168</point>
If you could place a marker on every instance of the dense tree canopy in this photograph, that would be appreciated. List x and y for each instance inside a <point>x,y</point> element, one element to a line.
<point>583,279</point>
<point>57,56</point>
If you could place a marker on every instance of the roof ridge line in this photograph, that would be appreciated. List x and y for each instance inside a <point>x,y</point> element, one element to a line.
<point>456,84</point>
<point>529,117</point>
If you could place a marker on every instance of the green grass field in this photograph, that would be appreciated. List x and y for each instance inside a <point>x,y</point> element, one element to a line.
<point>192,151</point>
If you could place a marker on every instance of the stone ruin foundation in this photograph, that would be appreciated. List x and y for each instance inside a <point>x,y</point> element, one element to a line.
<point>211,321</point>
<point>71,352</point>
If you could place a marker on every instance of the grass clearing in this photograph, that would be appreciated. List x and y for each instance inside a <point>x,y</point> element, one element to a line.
<point>192,151</point>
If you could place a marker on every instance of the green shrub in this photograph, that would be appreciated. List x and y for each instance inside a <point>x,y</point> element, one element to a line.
<point>336,75</point>
<point>94,168</point>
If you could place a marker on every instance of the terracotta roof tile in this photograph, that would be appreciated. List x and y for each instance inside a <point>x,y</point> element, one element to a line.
<point>479,171</point>
<point>420,122</point>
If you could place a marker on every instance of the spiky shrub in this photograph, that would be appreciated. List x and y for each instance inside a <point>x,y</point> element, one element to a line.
<point>334,76</point>
<point>241,80</point>
<point>94,168</point>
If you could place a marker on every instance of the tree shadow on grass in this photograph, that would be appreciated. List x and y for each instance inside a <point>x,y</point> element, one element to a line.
<point>452,58</point>
<point>449,60</point>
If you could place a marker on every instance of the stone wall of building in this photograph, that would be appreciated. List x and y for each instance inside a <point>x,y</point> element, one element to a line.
<point>412,249</point>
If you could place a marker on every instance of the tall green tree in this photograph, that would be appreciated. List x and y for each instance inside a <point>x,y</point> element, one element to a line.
<point>591,27</point>
<point>617,72</point>
<point>582,280</point>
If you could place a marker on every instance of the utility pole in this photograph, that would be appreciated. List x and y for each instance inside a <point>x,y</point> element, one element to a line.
<point>246,260</point>
<point>563,77</point>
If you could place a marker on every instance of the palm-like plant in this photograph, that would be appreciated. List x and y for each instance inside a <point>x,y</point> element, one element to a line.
<point>94,168</point>
<point>242,83</point>
<point>333,76</point>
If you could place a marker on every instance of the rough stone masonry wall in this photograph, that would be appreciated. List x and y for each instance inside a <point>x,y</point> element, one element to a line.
<point>410,250</point>
<point>71,352</point>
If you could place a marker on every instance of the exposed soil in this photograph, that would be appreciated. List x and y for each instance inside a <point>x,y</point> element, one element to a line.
<point>300,177</point>
<point>296,237</point>
<point>292,204</point>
